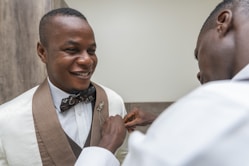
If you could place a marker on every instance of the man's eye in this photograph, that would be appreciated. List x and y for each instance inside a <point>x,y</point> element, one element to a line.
<point>71,50</point>
<point>91,51</point>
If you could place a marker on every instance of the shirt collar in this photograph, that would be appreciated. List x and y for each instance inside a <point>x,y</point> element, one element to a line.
<point>242,74</point>
<point>57,95</point>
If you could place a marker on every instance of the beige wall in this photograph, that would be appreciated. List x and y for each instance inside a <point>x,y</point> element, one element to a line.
<point>145,47</point>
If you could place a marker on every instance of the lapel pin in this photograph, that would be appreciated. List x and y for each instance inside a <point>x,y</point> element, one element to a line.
<point>100,106</point>
<point>99,109</point>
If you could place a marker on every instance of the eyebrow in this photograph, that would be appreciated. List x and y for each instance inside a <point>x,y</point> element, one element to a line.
<point>76,43</point>
<point>71,42</point>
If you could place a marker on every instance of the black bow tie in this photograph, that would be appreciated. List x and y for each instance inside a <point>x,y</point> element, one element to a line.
<point>85,96</point>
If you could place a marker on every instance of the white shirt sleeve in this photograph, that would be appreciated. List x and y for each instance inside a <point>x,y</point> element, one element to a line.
<point>96,156</point>
<point>207,127</point>
<point>3,161</point>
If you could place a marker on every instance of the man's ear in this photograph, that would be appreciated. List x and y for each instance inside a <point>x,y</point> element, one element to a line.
<point>41,51</point>
<point>224,22</point>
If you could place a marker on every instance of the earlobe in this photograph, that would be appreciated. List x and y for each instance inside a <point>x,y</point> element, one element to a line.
<point>41,52</point>
<point>224,22</point>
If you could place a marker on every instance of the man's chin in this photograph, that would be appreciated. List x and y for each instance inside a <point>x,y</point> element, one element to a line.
<point>82,87</point>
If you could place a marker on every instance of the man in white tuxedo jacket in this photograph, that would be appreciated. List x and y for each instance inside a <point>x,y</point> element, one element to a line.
<point>50,124</point>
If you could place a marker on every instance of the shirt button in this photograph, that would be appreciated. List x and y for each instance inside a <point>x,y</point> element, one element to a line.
<point>79,112</point>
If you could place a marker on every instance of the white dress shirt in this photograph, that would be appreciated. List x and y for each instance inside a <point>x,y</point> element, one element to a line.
<point>242,74</point>
<point>76,121</point>
<point>207,127</point>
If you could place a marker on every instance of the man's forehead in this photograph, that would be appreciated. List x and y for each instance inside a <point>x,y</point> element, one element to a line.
<point>61,18</point>
<point>67,22</point>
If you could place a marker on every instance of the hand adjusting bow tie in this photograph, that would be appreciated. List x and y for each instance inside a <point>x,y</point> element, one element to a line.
<point>85,96</point>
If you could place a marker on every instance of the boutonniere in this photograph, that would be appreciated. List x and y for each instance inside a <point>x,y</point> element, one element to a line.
<point>99,109</point>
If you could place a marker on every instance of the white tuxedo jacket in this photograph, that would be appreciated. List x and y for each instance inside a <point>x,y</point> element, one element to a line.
<point>18,137</point>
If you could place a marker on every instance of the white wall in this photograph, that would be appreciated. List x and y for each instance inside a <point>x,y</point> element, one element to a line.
<point>146,47</point>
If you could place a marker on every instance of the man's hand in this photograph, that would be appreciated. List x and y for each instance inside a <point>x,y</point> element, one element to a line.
<point>113,133</point>
<point>137,117</point>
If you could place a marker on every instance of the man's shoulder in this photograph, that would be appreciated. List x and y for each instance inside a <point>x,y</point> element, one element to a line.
<point>16,111</point>
<point>109,92</point>
<point>19,101</point>
<point>225,88</point>
<point>115,101</point>
<point>227,84</point>
<point>220,93</point>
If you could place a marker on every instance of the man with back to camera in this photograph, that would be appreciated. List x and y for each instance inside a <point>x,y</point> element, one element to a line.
<point>209,126</point>
<point>51,123</point>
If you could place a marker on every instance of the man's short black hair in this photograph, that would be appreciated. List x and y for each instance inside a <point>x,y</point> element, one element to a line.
<point>59,11</point>
<point>243,5</point>
<point>210,21</point>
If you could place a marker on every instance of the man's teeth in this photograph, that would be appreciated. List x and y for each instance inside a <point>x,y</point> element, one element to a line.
<point>83,74</point>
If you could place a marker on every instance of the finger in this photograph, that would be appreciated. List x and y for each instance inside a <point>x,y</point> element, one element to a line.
<point>130,129</point>
<point>128,116</point>
<point>131,123</point>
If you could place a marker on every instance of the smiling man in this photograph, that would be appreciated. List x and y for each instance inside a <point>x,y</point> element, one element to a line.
<point>51,123</point>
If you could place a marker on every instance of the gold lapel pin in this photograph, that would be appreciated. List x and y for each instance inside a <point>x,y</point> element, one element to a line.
<point>99,109</point>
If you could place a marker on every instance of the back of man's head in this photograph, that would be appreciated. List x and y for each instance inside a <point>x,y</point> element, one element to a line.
<point>225,4</point>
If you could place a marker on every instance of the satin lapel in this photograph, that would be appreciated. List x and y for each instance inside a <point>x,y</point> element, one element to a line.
<point>100,113</point>
<point>49,129</point>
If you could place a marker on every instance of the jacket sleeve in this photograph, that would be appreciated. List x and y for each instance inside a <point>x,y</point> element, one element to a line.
<point>3,161</point>
<point>96,156</point>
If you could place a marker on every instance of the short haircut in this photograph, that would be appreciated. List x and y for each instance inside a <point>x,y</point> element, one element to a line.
<point>210,21</point>
<point>225,4</point>
<point>47,17</point>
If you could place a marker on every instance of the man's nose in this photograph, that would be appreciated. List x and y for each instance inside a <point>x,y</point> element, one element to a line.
<point>84,59</point>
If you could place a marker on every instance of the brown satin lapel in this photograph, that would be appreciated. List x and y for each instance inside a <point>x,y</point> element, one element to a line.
<point>100,113</point>
<point>52,141</point>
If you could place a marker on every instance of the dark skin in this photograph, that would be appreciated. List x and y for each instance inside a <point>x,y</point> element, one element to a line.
<point>216,59</point>
<point>114,128</point>
<point>69,53</point>
<point>113,133</point>
<point>138,117</point>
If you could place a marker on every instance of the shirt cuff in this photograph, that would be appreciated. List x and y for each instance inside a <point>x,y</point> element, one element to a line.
<point>96,156</point>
